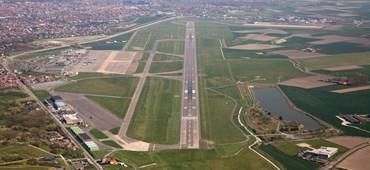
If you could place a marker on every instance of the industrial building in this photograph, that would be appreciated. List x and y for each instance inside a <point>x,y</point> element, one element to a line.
<point>319,155</point>
<point>71,119</point>
<point>84,138</point>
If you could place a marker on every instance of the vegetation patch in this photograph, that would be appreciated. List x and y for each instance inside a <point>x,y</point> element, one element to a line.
<point>117,106</point>
<point>158,67</point>
<point>115,43</point>
<point>336,60</point>
<point>341,47</point>
<point>157,120</point>
<point>111,143</point>
<point>264,71</point>
<point>225,157</point>
<point>98,134</point>
<point>239,54</point>
<point>289,162</point>
<point>117,86</point>
<point>172,46</point>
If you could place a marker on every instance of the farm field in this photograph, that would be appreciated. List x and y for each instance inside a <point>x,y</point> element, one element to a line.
<point>364,71</point>
<point>117,86</point>
<point>336,60</point>
<point>117,106</point>
<point>157,120</point>
<point>324,104</point>
<point>158,67</point>
<point>172,46</point>
<point>264,71</point>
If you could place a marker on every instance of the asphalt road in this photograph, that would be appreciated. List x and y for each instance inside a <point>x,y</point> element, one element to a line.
<point>190,133</point>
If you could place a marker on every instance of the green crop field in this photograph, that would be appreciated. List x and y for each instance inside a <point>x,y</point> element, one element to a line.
<point>215,159</point>
<point>289,162</point>
<point>269,71</point>
<point>117,106</point>
<point>117,86</point>
<point>325,105</point>
<point>115,43</point>
<point>157,120</point>
<point>341,47</point>
<point>98,134</point>
<point>336,60</point>
<point>172,46</point>
<point>158,67</point>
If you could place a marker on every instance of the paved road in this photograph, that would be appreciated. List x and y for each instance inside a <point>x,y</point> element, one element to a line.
<point>190,133</point>
<point>137,93</point>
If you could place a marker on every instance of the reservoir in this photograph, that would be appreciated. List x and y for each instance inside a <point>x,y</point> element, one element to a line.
<point>271,100</point>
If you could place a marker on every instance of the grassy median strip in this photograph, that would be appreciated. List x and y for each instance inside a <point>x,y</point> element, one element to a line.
<point>156,120</point>
<point>111,143</point>
<point>98,134</point>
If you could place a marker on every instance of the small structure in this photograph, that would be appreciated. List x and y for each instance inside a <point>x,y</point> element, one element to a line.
<point>92,146</point>
<point>76,130</point>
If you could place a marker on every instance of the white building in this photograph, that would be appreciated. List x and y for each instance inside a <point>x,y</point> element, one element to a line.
<point>322,152</point>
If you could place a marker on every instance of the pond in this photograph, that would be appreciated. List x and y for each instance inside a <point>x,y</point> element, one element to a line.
<point>271,100</point>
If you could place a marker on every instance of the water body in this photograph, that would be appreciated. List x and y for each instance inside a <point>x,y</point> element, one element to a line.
<point>273,101</point>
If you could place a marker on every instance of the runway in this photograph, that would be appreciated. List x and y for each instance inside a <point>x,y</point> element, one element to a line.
<point>190,132</point>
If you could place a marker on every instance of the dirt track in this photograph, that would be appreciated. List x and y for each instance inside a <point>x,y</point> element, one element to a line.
<point>307,82</point>
<point>254,47</point>
<point>348,141</point>
<point>353,89</point>
<point>343,68</point>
